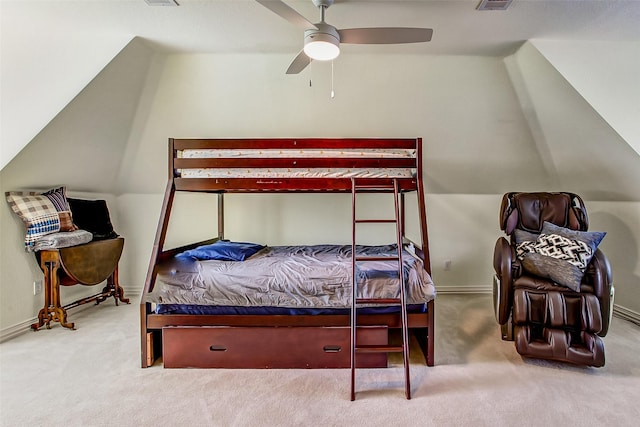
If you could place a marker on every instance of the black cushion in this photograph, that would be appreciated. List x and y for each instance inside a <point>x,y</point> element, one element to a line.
<point>93,216</point>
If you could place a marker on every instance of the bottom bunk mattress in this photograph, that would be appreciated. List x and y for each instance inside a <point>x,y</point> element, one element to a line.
<point>292,279</point>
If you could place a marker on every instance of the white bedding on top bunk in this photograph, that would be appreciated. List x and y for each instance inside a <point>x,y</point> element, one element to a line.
<point>297,172</point>
<point>291,276</point>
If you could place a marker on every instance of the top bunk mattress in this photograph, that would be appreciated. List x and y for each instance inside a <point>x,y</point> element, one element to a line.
<point>316,276</point>
<point>301,163</point>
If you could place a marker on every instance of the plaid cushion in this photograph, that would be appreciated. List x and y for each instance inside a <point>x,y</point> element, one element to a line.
<point>42,214</point>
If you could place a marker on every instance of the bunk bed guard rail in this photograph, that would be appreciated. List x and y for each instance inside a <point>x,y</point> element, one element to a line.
<point>286,165</point>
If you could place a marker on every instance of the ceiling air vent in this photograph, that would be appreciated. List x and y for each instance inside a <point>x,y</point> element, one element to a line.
<point>494,4</point>
<point>162,2</point>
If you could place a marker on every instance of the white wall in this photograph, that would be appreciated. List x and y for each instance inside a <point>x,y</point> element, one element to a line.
<point>83,145</point>
<point>477,145</point>
<point>581,151</point>
<point>464,108</point>
<point>51,70</point>
<point>606,75</point>
<point>621,221</point>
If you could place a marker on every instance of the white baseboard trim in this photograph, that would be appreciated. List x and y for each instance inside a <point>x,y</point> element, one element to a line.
<point>18,329</point>
<point>626,314</point>
<point>25,326</point>
<point>464,289</point>
<point>133,293</point>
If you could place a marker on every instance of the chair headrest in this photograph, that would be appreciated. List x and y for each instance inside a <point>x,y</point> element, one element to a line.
<point>529,211</point>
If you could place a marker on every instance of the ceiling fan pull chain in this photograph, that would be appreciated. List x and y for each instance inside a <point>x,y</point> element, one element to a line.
<point>333,94</point>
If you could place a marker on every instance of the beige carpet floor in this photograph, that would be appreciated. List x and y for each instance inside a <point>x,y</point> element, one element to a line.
<point>91,377</point>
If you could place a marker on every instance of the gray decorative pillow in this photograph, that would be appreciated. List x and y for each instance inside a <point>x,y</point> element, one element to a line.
<point>560,254</point>
<point>524,236</point>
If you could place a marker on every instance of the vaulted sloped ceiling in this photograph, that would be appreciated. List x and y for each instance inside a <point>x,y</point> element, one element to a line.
<point>45,63</point>
<point>606,76</point>
<point>83,145</point>
<point>581,151</point>
<point>52,49</point>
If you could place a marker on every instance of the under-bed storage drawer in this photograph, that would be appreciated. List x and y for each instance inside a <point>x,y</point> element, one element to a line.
<point>268,347</point>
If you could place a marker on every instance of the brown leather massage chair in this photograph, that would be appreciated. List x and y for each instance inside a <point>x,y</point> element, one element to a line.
<point>552,308</point>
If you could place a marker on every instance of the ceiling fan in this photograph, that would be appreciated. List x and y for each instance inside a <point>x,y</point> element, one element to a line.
<point>322,40</point>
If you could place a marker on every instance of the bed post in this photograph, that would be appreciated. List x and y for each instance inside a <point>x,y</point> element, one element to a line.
<point>431,307</point>
<point>221,216</point>
<point>421,207</point>
<point>146,338</point>
<point>429,351</point>
<point>402,215</point>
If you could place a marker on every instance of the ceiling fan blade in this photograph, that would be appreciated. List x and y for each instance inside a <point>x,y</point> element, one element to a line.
<point>389,35</point>
<point>282,9</point>
<point>299,63</point>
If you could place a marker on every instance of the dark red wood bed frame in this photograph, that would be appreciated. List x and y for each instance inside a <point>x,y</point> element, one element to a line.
<point>278,341</point>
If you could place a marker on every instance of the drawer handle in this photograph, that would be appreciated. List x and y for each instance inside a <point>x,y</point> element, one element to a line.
<point>332,348</point>
<point>218,348</point>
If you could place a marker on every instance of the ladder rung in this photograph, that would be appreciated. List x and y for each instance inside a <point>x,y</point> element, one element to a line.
<point>373,186</point>
<point>377,258</point>
<point>375,221</point>
<point>379,349</point>
<point>381,301</point>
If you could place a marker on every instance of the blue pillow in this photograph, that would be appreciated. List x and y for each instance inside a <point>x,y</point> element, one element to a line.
<point>223,250</point>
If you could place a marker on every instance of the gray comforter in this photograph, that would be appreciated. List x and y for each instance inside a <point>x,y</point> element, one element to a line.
<point>291,276</point>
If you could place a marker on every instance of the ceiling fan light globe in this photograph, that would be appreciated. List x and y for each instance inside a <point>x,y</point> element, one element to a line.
<point>321,47</point>
<point>321,51</point>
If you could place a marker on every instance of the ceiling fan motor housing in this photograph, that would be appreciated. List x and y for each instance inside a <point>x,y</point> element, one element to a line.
<point>321,3</point>
<point>324,33</point>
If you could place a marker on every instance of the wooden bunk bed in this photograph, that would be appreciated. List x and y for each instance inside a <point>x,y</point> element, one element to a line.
<point>249,340</point>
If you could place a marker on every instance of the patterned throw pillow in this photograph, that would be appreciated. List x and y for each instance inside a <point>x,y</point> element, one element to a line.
<point>574,252</point>
<point>560,254</point>
<point>42,213</point>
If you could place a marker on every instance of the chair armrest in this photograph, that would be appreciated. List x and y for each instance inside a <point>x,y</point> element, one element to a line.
<point>503,262</point>
<point>598,275</point>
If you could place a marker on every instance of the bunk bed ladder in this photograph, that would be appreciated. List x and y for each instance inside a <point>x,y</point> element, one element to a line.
<point>359,302</point>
